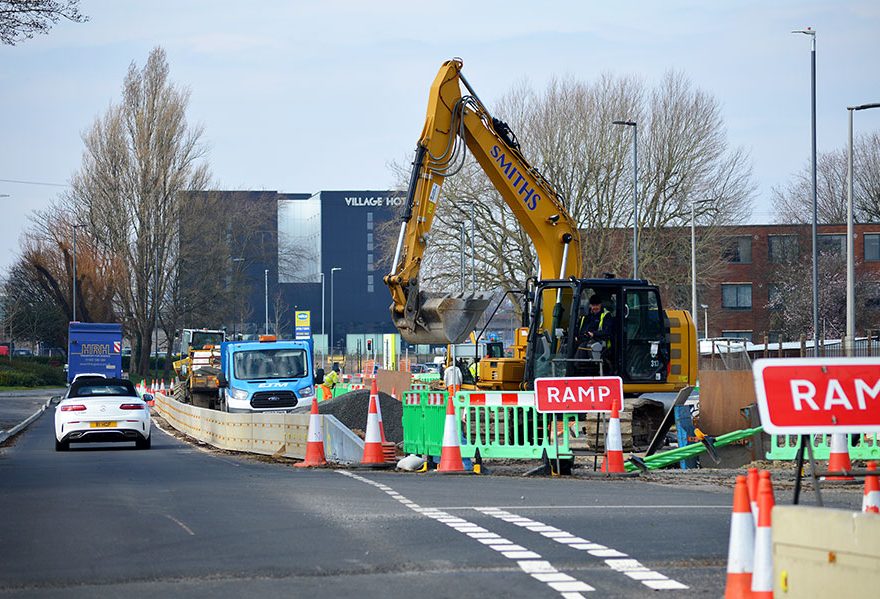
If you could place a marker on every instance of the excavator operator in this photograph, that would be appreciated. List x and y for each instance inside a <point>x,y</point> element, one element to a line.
<point>595,332</point>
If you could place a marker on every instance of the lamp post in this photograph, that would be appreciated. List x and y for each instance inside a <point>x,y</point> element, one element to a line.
<point>850,243</point>
<point>266,294</point>
<point>694,266</point>
<point>705,320</point>
<point>635,193</point>
<point>323,315</point>
<point>812,34</point>
<point>73,302</point>
<point>332,272</point>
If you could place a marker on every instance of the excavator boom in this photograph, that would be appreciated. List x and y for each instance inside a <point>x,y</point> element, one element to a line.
<point>455,122</point>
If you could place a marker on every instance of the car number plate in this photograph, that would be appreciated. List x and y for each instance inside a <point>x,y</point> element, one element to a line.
<point>104,424</point>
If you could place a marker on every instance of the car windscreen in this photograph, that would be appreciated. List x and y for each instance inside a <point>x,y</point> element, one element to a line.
<point>97,388</point>
<point>200,339</point>
<point>270,364</point>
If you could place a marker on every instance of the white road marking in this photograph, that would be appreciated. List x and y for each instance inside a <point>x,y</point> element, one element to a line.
<point>580,507</point>
<point>629,567</point>
<point>528,561</point>
<point>180,524</point>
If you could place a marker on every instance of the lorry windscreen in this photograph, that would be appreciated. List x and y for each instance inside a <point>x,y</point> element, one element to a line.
<point>201,339</point>
<point>270,364</point>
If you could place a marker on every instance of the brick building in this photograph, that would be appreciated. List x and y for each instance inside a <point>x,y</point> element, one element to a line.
<point>737,302</point>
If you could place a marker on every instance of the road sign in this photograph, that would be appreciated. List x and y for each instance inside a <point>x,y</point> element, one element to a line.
<point>799,396</point>
<point>578,394</point>
<point>303,326</point>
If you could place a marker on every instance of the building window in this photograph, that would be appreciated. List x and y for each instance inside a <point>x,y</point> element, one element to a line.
<point>738,250</point>
<point>370,287</point>
<point>736,296</point>
<point>369,225</point>
<point>744,335</point>
<point>774,297</point>
<point>370,264</point>
<point>834,245</point>
<point>872,247</point>
<point>782,248</point>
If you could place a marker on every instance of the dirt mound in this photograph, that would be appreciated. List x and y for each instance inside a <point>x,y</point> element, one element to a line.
<point>351,410</point>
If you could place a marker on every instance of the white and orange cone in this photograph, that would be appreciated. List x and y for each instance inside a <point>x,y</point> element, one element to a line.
<point>450,454</point>
<point>741,548</point>
<point>162,387</point>
<point>762,577</point>
<point>839,461</point>
<point>752,484</point>
<point>871,499</point>
<point>374,394</point>
<point>373,442</point>
<point>171,387</point>
<point>315,443</point>
<point>613,443</point>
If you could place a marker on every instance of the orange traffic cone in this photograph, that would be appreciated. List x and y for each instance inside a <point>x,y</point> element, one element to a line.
<point>613,443</point>
<point>171,387</point>
<point>838,461</point>
<point>315,444</point>
<point>762,577</point>
<point>162,387</point>
<point>871,499</point>
<point>752,484</point>
<point>373,442</point>
<point>450,454</point>
<point>741,549</point>
<point>374,393</point>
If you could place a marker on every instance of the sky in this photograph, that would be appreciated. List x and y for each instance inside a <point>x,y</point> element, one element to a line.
<point>303,96</point>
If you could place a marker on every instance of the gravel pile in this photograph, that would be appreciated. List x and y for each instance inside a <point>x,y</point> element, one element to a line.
<point>351,410</point>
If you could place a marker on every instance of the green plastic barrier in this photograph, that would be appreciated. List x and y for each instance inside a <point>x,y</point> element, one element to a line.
<point>427,377</point>
<point>666,458</point>
<point>863,447</point>
<point>500,424</point>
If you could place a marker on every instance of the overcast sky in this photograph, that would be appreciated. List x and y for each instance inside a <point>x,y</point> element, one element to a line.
<point>302,96</point>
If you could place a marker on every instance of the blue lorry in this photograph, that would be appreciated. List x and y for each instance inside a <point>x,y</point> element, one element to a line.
<point>94,348</point>
<point>266,375</point>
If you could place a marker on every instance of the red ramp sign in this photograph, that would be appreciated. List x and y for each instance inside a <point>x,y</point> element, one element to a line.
<point>799,396</point>
<point>578,394</point>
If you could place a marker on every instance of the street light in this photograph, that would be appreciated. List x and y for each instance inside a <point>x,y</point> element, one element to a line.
<point>812,34</point>
<point>705,320</point>
<point>635,193</point>
<point>323,314</point>
<point>694,266</point>
<point>266,288</point>
<point>75,227</point>
<point>332,272</point>
<point>850,243</point>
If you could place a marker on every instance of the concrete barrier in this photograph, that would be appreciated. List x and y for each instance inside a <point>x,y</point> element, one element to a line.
<point>263,433</point>
<point>822,552</point>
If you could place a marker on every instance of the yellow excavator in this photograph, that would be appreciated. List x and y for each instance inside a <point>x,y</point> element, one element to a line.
<point>651,349</point>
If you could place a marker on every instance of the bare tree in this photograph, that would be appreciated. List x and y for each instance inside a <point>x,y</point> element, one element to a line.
<point>566,132</point>
<point>23,19</point>
<point>139,157</point>
<point>794,202</point>
<point>790,304</point>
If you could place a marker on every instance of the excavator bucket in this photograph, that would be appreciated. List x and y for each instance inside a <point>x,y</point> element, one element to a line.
<point>440,318</point>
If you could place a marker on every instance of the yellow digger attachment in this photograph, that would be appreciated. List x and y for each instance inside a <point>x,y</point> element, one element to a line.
<point>439,318</point>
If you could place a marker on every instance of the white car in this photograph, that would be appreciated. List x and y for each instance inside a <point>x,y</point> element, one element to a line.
<point>98,410</point>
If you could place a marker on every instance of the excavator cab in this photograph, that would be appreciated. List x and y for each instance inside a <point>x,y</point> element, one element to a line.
<point>637,351</point>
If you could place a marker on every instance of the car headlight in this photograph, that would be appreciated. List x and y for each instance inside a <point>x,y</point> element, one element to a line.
<point>240,394</point>
<point>306,391</point>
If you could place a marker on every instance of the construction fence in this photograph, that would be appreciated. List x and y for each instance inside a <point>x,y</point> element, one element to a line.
<point>275,434</point>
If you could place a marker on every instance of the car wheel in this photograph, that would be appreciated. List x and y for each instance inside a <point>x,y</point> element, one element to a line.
<point>143,443</point>
<point>62,445</point>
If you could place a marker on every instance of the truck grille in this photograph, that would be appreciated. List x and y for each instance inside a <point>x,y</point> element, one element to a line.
<point>273,399</point>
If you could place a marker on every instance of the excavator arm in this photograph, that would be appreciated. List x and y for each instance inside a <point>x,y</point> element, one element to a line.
<point>455,122</point>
